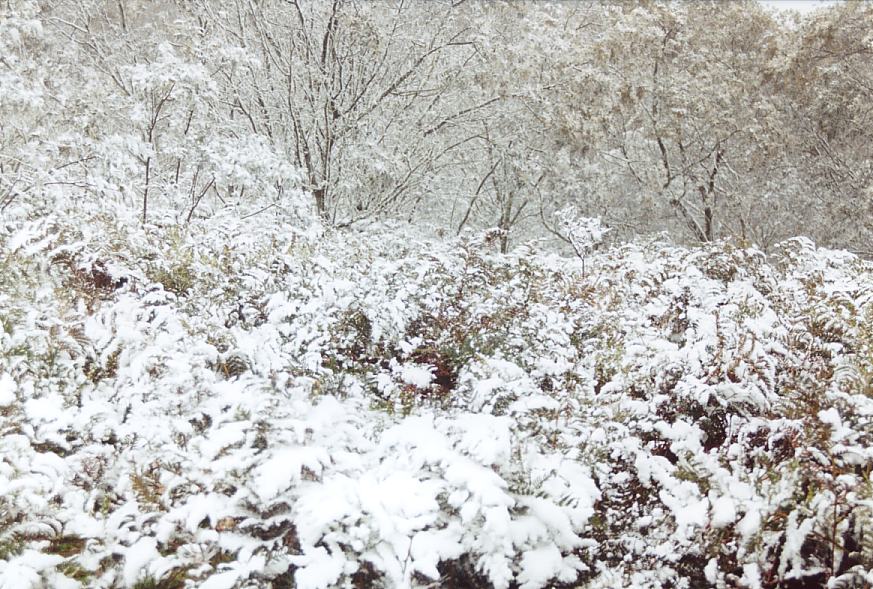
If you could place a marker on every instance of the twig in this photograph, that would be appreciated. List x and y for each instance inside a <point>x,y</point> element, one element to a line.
<point>270,206</point>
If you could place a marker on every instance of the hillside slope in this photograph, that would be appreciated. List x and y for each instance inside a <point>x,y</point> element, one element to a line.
<point>239,403</point>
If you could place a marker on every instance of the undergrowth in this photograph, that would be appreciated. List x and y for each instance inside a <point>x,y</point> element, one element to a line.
<point>246,403</point>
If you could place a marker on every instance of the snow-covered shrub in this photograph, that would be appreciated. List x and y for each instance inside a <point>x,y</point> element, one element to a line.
<point>242,402</point>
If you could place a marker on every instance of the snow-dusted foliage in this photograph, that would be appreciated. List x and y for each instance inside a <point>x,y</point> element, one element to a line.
<point>241,403</point>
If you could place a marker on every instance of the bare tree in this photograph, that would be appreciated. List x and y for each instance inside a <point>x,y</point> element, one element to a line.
<point>361,96</point>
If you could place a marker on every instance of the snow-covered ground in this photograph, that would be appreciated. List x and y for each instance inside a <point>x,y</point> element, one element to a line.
<point>242,403</point>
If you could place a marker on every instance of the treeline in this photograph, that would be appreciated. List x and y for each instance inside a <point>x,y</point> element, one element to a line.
<point>705,119</point>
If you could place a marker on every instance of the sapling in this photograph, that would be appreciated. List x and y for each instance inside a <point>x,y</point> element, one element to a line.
<point>583,234</point>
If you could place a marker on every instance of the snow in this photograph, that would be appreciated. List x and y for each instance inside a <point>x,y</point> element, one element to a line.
<point>7,390</point>
<point>319,569</point>
<point>710,571</point>
<point>225,580</point>
<point>417,375</point>
<point>581,428</point>
<point>802,6</point>
<point>751,576</point>
<point>23,571</point>
<point>429,547</point>
<point>750,524</point>
<point>724,512</point>
<point>538,566</point>
<point>285,468</point>
<point>137,558</point>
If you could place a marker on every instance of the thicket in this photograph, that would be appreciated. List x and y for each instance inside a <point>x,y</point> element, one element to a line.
<point>240,403</point>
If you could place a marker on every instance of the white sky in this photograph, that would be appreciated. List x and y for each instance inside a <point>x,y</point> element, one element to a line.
<point>799,5</point>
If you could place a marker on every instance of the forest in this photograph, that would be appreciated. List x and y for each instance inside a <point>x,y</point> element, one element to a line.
<point>707,120</point>
<point>435,293</point>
